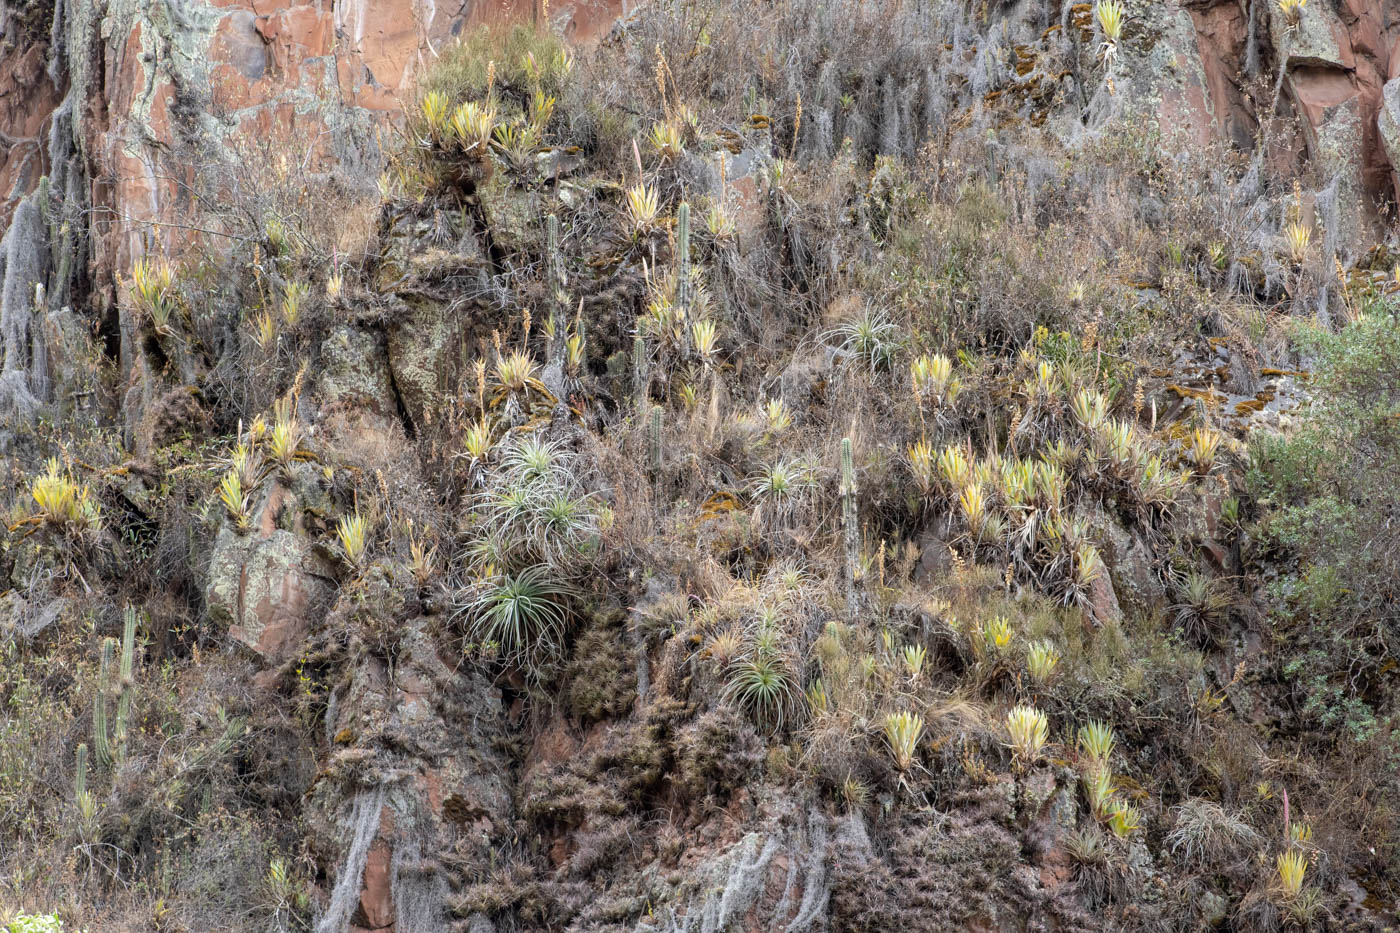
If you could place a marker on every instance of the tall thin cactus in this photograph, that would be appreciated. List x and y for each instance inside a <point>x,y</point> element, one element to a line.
<point>849,525</point>
<point>112,751</point>
<point>655,439</point>
<point>80,774</point>
<point>83,799</point>
<point>99,706</point>
<point>640,380</point>
<point>128,683</point>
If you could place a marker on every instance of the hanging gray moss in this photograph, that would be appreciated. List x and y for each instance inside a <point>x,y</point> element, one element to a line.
<point>23,261</point>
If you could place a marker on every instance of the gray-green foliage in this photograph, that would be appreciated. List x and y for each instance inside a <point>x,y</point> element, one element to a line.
<point>520,615</point>
<point>870,339</point>
<point>534,528</point>
<point>761,680</point>
<point>1329,500</point>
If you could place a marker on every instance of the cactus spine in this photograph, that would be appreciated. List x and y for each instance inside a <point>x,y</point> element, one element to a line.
<point>655,438</point>
<point>848,521</point>
<point>112,751</point>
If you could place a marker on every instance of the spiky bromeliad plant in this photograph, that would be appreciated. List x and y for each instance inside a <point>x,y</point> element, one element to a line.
<point>519,616</point>
<point>778,489</point>
<point>763,687</point>
<point>1096,741</point>
<point>353,534</point>
<point>1028,731</point>
<point>1109,14</point>
<point>62,502</point>
<point>869,339</point>
<point>903,731</point>
<point>532,527</point>
<point>1292,11</point>
<point>643,209</point>
<point>152,292</point>
<point>1042,658</point>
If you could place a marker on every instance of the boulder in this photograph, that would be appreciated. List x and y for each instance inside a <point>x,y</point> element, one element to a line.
<point>269,586</point>
<point>1388,124</point>
<point>1128,559</point>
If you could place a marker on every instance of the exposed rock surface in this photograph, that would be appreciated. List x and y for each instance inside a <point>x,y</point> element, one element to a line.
<point>129,101</point>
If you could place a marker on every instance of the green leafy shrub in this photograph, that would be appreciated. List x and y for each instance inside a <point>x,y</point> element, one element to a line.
<point>35,923</point>
<point>1332,499</point>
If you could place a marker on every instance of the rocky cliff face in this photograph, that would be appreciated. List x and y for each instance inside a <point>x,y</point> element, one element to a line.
<point>131,111</point>
<point>421,788</point>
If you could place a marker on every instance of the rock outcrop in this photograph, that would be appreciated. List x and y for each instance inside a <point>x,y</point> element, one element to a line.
<point>116,104</point>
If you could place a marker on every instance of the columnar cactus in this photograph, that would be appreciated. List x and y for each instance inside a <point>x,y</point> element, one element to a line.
<point>848,520</point>
<point>655,438</point>
<point>112,751</point>
<point>639,372</point>
<point>80,775</point>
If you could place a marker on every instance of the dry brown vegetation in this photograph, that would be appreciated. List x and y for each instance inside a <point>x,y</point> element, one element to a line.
<point>590,460</point>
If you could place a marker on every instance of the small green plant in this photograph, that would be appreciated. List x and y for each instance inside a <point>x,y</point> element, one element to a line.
<point>666,142</point>
<point>1042,658</point>
<point>1096,741</point>
<point>352,531</point>
<point>763,687</point>
<point>152,292</point>
<point>1099,790</point>
<point>34,923</point>
<point>777,415</point>
<point>1090,409</point>
<point>996,634</point>
<point>1292,869</point>
<point>855,793</point>
<point>478,441</point>
<point>284,442</point>
<point>1204,444</point>
<point>293,296</point>
<point>869,339</point>
<point>1028,730</point>
<point>1124,819</point>
<point>1109,14</point>
<point>434,108</point>
<point>903,731</point>
<point>1199,605</point>
<point>235,500</point>
<point>62,502</point>
<point>913,657</point>
<point>472,126</point>
<point>643,209</point>
<point>524,614</point>
<point>1292,11</point>
<point>779,488</point>
<point>932,378</point>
